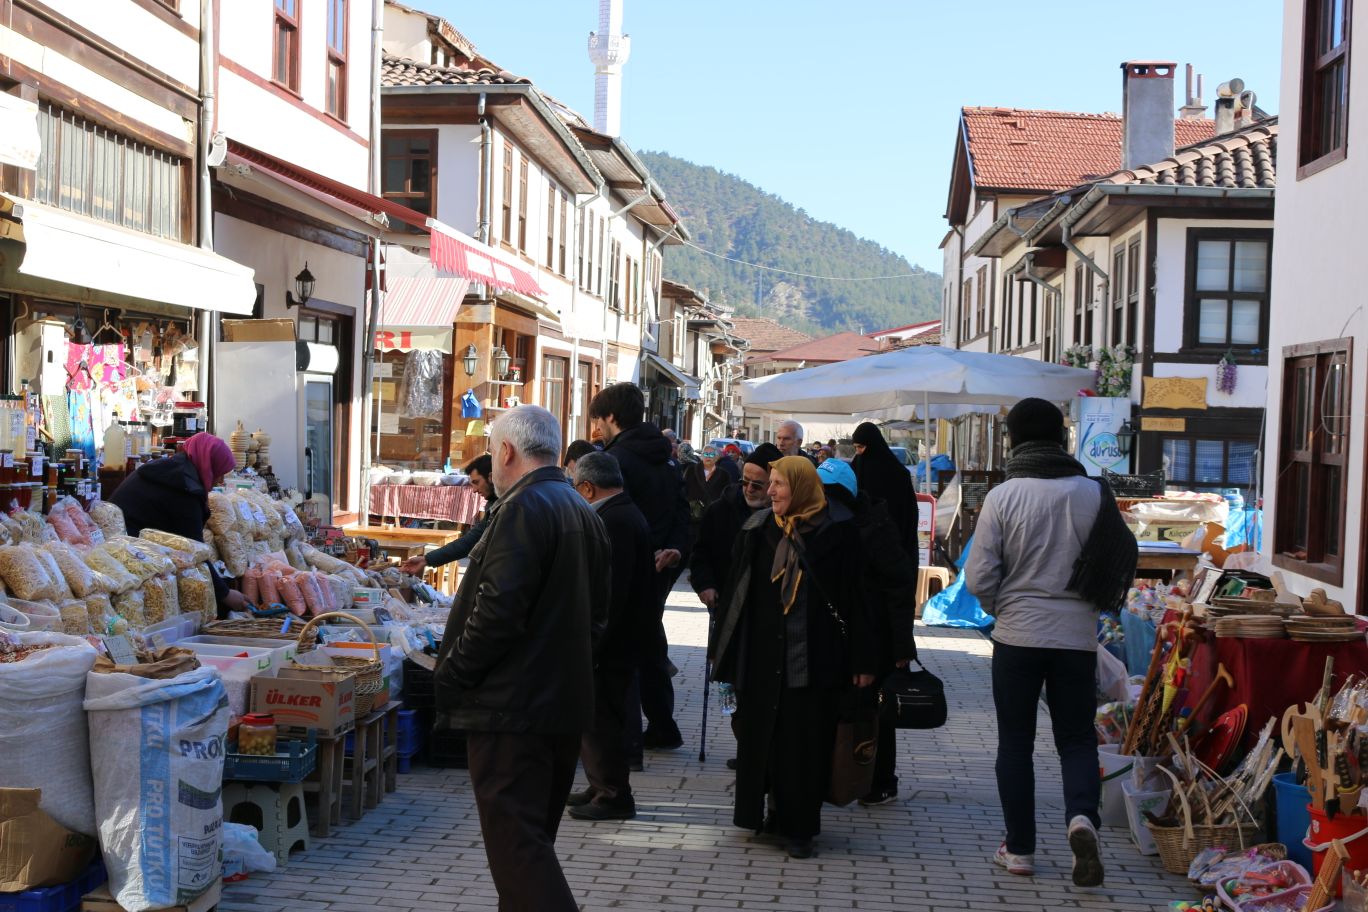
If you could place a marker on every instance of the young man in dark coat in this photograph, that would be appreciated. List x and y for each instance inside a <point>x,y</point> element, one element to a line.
<point>653,481</point>
<point>603,751</point>
<point>515,670</point>
<point>478,470</point>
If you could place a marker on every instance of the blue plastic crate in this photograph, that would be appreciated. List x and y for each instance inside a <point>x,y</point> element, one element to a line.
<point>410,732</point>
<point>296,761</point>
<point>61,898</point>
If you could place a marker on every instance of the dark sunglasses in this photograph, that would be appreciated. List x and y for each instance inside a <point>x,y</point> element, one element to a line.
<point>754,485</point>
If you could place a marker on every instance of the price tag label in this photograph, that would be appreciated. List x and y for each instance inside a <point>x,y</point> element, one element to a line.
<point>37,463</point>
<point>121,650</point>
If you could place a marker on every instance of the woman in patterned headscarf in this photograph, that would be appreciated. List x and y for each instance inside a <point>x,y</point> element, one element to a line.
<point>794,636</point>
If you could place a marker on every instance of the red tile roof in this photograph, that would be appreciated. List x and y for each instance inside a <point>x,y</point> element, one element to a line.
<point>1014,148</point>
<point>840,347</point>
<point>765,335</point>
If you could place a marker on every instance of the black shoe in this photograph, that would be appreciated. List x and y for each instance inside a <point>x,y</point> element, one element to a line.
<point>654,740</point>
<point>731,763</point>
<point>878,797</point>
<point>579,799</point>
<point>799,848</point>
<point>596,810</point>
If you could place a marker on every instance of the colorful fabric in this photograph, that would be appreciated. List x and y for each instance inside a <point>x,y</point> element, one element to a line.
<point>82,424</point>
<point>106,363</point>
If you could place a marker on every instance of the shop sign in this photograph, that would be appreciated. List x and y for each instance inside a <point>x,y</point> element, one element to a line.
<point>1098,419</point>
<point>926,527</point>
<point>409,338</point>
<point>1172,425</point>
<point>20,144</point>
<point>1175,393</point>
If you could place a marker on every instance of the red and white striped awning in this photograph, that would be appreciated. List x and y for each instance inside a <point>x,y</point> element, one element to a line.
<point>459,254</point>
<point>418,313</point>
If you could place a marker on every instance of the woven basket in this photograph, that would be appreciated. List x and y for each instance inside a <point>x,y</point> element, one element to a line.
<point>370,676</point>
<point>261,629</point>
<point>1179,845</point>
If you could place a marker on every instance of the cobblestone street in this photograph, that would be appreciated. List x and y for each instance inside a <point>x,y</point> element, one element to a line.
<point>421,848</point>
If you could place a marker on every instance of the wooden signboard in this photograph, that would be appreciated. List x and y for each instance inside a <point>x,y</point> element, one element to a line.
<point>1175,425</point>
<point>1175,393</point>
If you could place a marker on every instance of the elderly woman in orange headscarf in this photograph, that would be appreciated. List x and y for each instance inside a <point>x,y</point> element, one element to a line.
<point>795,636</point>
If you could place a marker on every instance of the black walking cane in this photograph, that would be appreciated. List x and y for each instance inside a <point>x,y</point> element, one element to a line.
<point>703,735</point>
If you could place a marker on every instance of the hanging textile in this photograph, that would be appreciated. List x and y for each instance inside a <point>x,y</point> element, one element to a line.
<point>106,364</point>
<point>82,422</point>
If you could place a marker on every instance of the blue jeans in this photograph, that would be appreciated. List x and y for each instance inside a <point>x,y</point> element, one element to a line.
<point>1069,678</point>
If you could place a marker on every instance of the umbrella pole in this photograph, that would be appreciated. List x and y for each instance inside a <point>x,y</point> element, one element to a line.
<point>926,438</point>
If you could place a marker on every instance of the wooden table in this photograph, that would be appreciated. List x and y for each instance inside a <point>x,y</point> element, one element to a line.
<point>443,578</point>
<point>374,751</point>
<point>1177,561</point>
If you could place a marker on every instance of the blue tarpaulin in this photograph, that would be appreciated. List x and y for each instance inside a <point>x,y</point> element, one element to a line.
<point>956,606</point>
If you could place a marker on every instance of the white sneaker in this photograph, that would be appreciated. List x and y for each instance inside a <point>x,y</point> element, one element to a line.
<point>1087,864</point>
<point>1020,865</point>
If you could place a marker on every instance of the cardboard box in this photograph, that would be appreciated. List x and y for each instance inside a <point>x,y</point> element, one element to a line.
<point>35,850</point>
<point>305,701</point>
<point>258,330</point>
<point>1164,532</point>
<point>101,901</point>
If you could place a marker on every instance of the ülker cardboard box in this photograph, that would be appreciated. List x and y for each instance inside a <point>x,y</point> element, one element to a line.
<point>304,701</point>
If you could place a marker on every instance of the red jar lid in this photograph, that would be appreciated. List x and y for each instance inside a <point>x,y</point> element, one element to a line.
<point>258,719</point>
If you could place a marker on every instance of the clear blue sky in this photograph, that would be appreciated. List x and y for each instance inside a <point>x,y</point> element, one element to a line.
<point>849,109</point>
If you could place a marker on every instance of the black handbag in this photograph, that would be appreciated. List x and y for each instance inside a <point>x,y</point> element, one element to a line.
<point>913,699</point>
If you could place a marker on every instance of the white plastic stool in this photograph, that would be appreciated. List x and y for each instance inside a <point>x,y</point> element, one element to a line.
<point>924,577</point>
<point>277,810</point>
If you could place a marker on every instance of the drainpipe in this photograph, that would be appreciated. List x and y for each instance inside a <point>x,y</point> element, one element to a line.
<point>376,296</point>
<point>959,284</point>
<point>209,321</point>
<point>486,170</point>
<point>1052,293</point>
<point>1066,237</point>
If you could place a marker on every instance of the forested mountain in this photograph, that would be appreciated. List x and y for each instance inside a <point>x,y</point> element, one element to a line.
<point>730,216</point>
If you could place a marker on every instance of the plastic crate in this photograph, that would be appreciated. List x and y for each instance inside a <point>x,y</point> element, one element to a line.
<point>290,765</point>
<point>410,732</point>
<point>447,749</point>
<point>61,898</point>
<point>418,686</point>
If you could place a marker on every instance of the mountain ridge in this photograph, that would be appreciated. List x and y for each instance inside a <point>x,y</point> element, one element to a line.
<point>733,218</point>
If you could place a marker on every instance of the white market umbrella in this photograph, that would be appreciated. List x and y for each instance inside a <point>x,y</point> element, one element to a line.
<point>918,379</point>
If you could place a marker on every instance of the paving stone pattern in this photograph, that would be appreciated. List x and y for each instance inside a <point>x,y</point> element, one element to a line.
<point>421,849</point>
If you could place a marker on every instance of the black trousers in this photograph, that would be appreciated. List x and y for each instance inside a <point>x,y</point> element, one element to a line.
<point>657,690</point>
<point>1069,677</point>
<point>603,749</point>
<point>521,782</point>
<point>886,760</point>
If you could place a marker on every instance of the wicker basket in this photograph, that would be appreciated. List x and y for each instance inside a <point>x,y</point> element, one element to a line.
<point>370,676</point>
<point>1179,845</point>
<point>260,629</point>
<point>1269,851</point>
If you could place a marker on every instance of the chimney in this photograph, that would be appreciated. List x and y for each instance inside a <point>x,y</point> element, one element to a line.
<point>1234,107</point>
<point>1195,109</point>
<point>1146,112</point>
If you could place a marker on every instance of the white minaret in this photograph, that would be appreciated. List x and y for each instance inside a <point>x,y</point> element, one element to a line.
<point>608,51</point>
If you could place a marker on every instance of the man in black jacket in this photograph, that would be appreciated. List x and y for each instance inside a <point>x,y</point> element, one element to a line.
<point>711,562</point>
<point>603,751</point>
<point>655,484</point>
<point>516,664</point>
<point>478,470</point>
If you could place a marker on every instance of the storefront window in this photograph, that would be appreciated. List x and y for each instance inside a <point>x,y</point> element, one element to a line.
<point>1192,464</point>
<point>412,408</point>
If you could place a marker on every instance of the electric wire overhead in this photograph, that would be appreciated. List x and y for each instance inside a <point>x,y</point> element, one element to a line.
<point>804,275</point>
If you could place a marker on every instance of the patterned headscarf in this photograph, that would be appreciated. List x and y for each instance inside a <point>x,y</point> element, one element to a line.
<point>807,502</point>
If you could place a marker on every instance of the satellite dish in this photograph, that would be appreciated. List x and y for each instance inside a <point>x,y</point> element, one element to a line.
<point>218,150</point>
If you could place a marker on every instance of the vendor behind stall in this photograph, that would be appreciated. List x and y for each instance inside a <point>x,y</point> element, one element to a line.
<point>173,495</point>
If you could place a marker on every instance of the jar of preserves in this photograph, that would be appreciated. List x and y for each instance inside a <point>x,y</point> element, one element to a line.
<point>257,735</point>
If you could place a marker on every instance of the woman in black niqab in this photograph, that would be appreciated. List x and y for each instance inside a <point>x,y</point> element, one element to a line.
<point>883,477</point>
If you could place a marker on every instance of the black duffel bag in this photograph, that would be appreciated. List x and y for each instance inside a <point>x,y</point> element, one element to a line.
<point>913,699</point>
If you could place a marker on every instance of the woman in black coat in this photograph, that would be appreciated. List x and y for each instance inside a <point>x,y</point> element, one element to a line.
<point>884,478</point>
<point>793,637</point>
<point>173,495</point>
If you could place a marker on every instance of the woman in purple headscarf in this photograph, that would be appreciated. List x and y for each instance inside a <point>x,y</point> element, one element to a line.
<point>173,495</point>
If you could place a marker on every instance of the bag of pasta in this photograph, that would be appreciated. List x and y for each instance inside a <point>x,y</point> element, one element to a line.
<point>160,599</point>
<point>142,558</point>
<point>25,574</point>
<point>195,589</point>
<point>184,552</point>
<point>79,577</point>
<point>102,562</point>
<point>75,618</point>
<point>222,514</point>
<point>131,607</point>
<point>109,517</point>
<point>103,620</point>
<point>232,550</point>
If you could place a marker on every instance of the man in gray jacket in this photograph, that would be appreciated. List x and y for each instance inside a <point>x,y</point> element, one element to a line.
<point>1030,533</point>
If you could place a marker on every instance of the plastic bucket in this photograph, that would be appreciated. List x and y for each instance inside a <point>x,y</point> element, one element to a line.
<point>1115,768</point>
<point>1293,820</point>
<point>1352,830</point>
